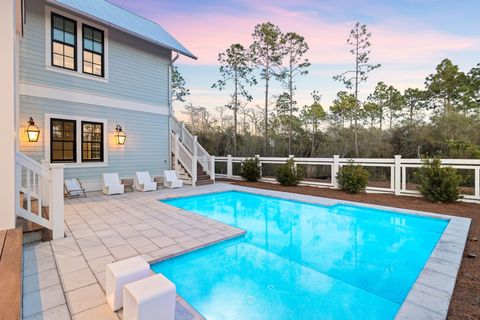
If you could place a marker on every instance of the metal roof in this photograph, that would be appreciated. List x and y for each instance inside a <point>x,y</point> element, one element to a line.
<point>126,21</point>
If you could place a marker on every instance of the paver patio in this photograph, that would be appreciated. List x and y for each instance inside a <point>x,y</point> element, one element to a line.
<point>65,279</point>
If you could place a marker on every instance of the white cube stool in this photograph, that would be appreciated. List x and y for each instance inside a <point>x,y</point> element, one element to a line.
<point>120,273</point>
<point>152,298</point>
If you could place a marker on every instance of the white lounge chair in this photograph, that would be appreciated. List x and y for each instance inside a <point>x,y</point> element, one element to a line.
<point>170,179</point>
<point>111,184</point>
<point>143,182</point>
<point>74,188</point>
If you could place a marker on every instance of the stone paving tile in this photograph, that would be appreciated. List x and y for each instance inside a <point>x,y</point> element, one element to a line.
<point>77,279</point>
<point>58,313</point>
<point>40,280</point>
<point>95,252</point>
<point>99,264</point>
<point>123,252</point>
<point>101,312</point>
<point>66,264</point>
<point>41,300</point>
<point>163,241</point>
<point>85,298</point>
<point>37,252</point>
<point>40,265</point>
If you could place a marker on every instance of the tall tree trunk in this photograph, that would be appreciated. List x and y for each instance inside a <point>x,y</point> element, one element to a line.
<point>235,109</point>
<point>267,78</point>
<point>356,100</point>
<point>290,84</point>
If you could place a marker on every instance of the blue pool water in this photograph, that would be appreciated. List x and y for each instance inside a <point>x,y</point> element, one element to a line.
<point>300,260</point>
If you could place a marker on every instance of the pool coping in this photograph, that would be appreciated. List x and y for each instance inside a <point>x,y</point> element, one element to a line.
<point>430,295</point>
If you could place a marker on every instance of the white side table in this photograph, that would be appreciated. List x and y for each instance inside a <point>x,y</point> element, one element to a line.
<point>152,298</point>
<point>119,273</point>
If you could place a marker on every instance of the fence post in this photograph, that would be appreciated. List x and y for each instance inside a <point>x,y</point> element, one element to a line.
<point>291,156</point>
<point>195,146</point>
<point>335,167</point>
<point>229,166</point>
<point>398,175</point>
<point>182,132</point>
<point>477,183</point>
<point>212,168</point>
<point>176,152</point>
<point>194,171</point>
<point>257,156</point>
<point>44,184</point>
<point>56,205</point>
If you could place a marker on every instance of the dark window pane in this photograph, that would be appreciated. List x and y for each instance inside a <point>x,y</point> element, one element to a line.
<point>57,146</point>
<point>69,27</point>
<point>97,35</point>
<point>88,32</point>
<point>57,22</point>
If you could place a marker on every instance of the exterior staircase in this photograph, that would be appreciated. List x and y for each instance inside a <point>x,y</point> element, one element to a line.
<point>190,160</point>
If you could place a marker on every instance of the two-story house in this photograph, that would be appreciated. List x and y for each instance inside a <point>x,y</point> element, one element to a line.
<point>86,87</point>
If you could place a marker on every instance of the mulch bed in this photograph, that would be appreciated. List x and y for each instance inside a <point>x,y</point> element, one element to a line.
<point>465,302</point>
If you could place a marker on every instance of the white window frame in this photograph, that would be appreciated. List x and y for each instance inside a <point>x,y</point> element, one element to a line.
<point>78,137</point>
<point>79,53</point>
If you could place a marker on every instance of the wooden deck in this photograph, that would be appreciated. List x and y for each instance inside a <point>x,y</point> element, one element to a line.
<point>10,274</point>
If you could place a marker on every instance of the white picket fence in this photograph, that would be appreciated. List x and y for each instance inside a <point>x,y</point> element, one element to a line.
<point>397,167</point>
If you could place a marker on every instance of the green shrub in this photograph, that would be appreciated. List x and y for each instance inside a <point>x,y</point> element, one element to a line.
<point>352,178</point>
<point>437,183</point>
<point>288,174</point>
<point>250,169</point>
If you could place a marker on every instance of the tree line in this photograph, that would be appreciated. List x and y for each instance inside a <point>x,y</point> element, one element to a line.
<point>442,118</point>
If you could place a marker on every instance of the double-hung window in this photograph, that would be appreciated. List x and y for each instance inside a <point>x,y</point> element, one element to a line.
<point>93,47</point>
<point>64,42</point>
<point>92,141</point>
<point>77,141</point>
<point>63,140</point>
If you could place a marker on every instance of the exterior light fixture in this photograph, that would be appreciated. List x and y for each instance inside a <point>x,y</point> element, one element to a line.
<point>120,135</point>
<point>32,131</point>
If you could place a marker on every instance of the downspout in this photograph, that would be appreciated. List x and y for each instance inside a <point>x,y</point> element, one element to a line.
<point>170,109</point>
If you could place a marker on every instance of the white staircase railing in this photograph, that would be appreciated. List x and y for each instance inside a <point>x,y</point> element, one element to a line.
<point>191,145</point>
<point>41,187</point>
<point>186,159</point>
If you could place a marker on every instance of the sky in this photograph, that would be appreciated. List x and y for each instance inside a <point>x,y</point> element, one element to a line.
<point>409,38</point>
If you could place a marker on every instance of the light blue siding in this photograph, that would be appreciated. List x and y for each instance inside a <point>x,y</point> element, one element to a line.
<point>146,147</point>
<point>138,70</point>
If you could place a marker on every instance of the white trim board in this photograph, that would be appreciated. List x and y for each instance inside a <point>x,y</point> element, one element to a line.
<point>41,91</point>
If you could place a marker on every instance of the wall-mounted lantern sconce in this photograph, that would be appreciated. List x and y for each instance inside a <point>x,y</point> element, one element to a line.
<point>32,131</point>
<point>120,135</point>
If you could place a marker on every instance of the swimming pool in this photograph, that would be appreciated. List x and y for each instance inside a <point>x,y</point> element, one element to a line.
<point>300,260</point>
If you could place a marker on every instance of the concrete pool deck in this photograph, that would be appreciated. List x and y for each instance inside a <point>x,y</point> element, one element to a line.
<point>65,279</point>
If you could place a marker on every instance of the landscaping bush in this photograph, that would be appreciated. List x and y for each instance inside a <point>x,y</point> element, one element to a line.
<point>250,170</point>
<point>288,174</point>
<point>437,183</point>
<point>352,178</point>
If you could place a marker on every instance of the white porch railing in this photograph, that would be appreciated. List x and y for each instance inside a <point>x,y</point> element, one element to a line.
<point>187,160</point>
<point>397,168</point>
<point>196,149</point>
<point>41,187</point>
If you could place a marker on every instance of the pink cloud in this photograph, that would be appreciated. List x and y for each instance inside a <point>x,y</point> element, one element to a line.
<point>208,34</point>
